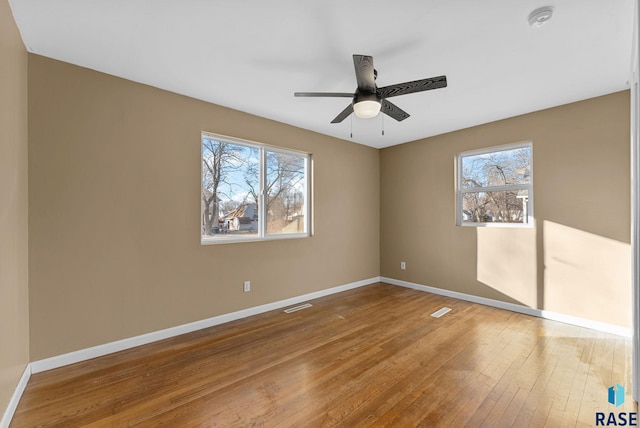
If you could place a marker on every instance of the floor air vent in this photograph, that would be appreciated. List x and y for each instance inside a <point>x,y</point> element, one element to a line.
<point>298,308</point>
<point>440,312</point>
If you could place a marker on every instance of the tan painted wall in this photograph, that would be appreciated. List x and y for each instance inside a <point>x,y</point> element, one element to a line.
<point>14,297</point>
<point>114,195</point>
<point>575,261</point>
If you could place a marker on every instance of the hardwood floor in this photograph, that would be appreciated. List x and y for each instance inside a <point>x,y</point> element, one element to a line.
<point>367,357</point>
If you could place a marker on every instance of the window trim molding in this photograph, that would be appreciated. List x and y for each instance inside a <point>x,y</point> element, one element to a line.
<point>262,234</point>
<point>530,223</point>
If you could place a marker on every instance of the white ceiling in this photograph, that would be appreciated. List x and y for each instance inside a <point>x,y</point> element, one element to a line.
<point>252,55</point>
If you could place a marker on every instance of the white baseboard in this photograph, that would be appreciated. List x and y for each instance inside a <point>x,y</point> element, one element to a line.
<point>15,398</point>
<point>554,316</point>
<point>120,345</point>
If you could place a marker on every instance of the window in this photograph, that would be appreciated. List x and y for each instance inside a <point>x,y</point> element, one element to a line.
<point>495,186</point>
<point>252,192</point>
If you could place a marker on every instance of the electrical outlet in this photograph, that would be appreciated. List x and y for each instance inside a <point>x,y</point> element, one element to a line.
<point>403,266</point>
<point>247,286</point>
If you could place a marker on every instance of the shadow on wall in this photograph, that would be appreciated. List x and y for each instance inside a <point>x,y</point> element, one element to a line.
<point>558,268</point>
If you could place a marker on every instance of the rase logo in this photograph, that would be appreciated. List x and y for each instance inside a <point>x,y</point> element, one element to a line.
<point>616,397</point>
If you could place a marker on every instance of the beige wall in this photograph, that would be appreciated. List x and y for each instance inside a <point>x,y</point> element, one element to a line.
<point>114,193</point>
<point>14,310</point>
<point>576,261</point>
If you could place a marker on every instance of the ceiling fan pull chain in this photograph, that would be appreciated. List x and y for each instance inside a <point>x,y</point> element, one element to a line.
<point>351,125</point>
<point>382,122</point>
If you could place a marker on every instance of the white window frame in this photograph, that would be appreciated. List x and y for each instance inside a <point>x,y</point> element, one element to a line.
<point>529,223</point>
<point>262,234</point>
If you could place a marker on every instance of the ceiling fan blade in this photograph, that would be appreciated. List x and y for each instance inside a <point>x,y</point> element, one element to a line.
<point>324,94</point>
<point>343,114</point>
<point>365,75</point>
<point>411,87</point>
<point>393,111</point>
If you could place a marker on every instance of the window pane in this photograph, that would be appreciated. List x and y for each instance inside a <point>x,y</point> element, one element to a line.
<point>495,207</point>
<point>285,188</point>
<point>230,177</point>
<point>499,168</point>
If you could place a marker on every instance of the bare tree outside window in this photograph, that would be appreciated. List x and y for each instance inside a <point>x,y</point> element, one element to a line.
<point>495,186</point>
<point>285,188</point>
<point>223,190</point>
<point>285,193</point>
<point>238,178</point>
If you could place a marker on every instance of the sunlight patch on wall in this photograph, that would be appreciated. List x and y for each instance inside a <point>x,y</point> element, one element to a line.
<point>586,275</point>
<point>506,262</point>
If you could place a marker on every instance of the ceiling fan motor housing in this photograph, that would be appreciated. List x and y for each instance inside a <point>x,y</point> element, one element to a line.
<point>365,96</point>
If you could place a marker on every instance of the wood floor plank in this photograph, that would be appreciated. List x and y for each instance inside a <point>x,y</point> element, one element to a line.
<point>367,357</point>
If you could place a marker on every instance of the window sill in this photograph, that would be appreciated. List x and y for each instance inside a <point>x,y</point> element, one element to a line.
<point>236,239</point>
<point>500,225</point>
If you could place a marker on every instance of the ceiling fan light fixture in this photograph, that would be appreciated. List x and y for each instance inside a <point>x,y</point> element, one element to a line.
<point>367,109</point>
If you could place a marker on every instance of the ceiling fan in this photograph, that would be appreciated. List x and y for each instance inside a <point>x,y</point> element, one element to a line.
<point>369,100</point>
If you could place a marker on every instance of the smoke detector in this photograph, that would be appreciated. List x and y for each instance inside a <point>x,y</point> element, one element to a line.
<point>540,16</point>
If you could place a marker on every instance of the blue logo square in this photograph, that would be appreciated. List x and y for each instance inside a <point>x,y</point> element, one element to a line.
<point>616,395</point>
